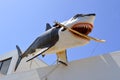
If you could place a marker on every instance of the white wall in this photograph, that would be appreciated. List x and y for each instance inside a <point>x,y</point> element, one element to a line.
<point>23,66</point>
<point>105,67</point>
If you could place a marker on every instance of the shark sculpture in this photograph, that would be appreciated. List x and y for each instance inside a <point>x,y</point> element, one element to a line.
<point>71,33</point>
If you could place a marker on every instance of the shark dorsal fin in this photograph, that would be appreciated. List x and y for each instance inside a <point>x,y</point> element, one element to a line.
<point>48,26</point>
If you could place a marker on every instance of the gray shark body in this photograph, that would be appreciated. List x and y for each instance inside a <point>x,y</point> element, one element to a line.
<point>57,39</point>
<point>46,40</point>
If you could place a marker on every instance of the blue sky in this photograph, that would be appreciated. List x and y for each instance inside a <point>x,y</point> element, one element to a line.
<point>21,21</point>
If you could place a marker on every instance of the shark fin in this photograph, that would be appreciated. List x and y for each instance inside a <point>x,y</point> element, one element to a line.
<point>39,53</point>
<point>48,26</point>
<point>62,57</point>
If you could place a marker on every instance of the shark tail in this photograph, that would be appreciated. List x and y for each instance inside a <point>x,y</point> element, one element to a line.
<point>19,57</point>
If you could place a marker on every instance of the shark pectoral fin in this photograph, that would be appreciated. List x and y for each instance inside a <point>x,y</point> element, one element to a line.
<point>62,57</point>
<point>38,53</point>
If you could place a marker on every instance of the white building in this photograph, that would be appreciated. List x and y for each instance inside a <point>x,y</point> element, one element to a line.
<point>103,67</point>
<point>8,63</point>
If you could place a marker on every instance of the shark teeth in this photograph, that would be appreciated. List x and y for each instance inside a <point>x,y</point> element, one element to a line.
<point>84,28</point>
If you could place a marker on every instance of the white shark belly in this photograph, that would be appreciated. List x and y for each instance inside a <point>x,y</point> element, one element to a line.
<point>66,40</point>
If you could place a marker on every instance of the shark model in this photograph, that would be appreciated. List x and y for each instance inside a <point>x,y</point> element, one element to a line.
<point>57,38</point>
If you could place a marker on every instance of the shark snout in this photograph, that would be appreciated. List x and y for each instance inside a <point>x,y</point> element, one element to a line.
<point>82,23</point>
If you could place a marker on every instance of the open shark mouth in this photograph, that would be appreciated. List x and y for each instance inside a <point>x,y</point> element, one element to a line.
<point>84,28</point>
<point>78,32</point>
